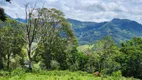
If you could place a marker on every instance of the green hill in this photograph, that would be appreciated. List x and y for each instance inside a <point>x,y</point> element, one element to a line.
<point>119,29</point>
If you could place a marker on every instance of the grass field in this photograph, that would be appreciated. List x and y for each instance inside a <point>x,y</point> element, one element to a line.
<point>56,75</point>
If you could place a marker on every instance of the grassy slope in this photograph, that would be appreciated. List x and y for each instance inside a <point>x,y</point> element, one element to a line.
<point>59,75</point>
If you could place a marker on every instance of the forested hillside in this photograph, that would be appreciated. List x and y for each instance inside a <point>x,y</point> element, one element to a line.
<point>119,29</point>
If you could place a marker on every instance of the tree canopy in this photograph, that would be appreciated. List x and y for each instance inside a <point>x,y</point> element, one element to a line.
<point>2,13</point>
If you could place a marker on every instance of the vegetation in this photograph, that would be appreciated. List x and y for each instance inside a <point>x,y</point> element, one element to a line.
<point>45,47</point>
<point>58,75</point>
<point>119,29</point>
<point>2,13</point>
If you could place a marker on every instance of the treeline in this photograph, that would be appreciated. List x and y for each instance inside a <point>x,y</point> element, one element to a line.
<point>47,39</point>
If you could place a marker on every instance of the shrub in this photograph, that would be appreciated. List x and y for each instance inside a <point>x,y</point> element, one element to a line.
<point>18,71</point>
<point>54,64</point>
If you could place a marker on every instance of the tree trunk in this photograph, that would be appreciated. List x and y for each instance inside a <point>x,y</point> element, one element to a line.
<point>8,61</point>
<point>29,57</point>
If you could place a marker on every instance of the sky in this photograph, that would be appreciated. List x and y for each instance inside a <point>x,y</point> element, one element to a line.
<point>83,10</point>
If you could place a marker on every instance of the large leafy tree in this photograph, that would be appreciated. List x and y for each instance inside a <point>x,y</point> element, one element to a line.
<point>11,42</point>
<point>57,38</point>
<point>45,27</point>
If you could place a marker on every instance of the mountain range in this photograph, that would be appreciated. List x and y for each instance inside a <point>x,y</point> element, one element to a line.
<point>119,29</point>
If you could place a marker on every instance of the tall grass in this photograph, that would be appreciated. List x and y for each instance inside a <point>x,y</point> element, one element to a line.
<point>20,74</point>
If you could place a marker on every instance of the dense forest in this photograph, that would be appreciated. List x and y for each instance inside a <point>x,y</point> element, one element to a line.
<point>46,44</point>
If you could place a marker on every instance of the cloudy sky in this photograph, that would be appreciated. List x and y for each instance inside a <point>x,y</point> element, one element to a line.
<point>84,10</point>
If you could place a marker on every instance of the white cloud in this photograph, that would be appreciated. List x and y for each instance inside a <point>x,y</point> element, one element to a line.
<point>85,10</point>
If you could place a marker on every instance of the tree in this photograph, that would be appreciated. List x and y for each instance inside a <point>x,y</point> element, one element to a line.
<point>11,42</point>
<point>131,58</point>
<point>2,13</point>
<point>31,31</point>
<point>57,38</point>
<point>8,0</point>
<point>105,52</point>
<point>43,26</point>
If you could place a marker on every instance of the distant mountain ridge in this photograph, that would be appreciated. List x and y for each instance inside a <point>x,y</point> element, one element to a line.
<point>21,20</point>
<point>119,29</point>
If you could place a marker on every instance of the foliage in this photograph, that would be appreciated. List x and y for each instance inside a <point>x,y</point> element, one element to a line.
<point>11,44</point>
<point>47,41</point>
<point>131,58</point>
<point>102,56</point>
<point>54,65</point>
<point>2,13</point>
<point>57,38</point>
<point>60,75</point>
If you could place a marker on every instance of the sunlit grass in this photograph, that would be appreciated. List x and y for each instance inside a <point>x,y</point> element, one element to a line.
<point>59,75</point>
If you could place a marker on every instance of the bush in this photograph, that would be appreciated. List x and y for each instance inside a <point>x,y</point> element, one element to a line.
<point>18,71</point>
<point>4,73</point>
<point>117,74</point>
<point>54,64</point>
